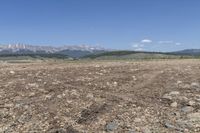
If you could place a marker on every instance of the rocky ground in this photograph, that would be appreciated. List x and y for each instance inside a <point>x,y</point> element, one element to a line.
<point>123,97</point>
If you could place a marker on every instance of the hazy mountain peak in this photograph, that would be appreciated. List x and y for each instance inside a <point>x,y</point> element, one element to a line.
<point>66,49</point>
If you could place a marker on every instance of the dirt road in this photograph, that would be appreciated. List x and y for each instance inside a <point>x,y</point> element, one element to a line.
<point>147,96</point>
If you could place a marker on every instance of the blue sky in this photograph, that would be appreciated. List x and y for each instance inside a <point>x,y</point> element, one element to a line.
<point>153,25</point>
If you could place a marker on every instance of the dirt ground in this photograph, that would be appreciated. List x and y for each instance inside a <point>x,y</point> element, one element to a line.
<point>100,96</point>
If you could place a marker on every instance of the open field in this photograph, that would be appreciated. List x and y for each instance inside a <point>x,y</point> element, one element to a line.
<point>160,96</point>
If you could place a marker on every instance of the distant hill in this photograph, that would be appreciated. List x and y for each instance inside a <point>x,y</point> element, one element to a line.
<point>191,52</point>
<point>134,55</point>
<point>32,56</point>
<point>79,53</point>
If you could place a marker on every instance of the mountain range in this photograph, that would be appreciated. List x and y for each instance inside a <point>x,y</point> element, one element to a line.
<point>75,51</point>
<point>78,51</point>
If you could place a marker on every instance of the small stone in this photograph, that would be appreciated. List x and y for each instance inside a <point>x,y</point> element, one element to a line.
<point>115,83</point>
<point>194,84</point>
<point>75,93</point>
<point>70,129</point>
<point>12,72</point>
<point>166,96</point>
<point>134,78</point>
<point>198,100</point>
<point>60,130</point>
<point>174,93</point>
<point>132,131</point>
<point>3,112</point>
<point>32,94</point>
<point>185,86</point>
<point>24,118</point>
<point>39,80</point>
<point>174,104</point>
<point>187,109</point>
<point>90,95</point>
<point>8,105</point>
<point>167,125</point>
<point>48,96</point>
<point>33,85</point>
<point>146,130</point>
<point>177,114</point>
<point>59,96</point>
<point>183,98</point>
<point>179,82</point>
<point>111,126</point>
<point>170,126</point>
<point>137,120</point>
<point>191,103</point>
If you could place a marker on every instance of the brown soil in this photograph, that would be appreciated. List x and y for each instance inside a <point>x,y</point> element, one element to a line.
<point>88,96</point>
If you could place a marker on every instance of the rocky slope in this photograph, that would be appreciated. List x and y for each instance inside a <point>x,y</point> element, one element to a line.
<point>122,97</point>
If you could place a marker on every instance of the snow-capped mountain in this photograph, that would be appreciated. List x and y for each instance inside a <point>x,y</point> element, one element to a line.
<point>73,50</point>
<point>17,47</point>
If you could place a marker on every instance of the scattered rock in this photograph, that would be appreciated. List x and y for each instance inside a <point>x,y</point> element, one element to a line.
<point>179,82</point>
<point>3,112</point>
<point>60,130</point>
<point>70,129</point>
<point>187,109</point>
<point>134,78</point>
<point>166,96</point>
<point>132,131</point>
<point>111,126</point>
<point>167,125</point>
<point>195,86</point>
<point>170,126</point>
<point>25,118</point>
<point>183,98</point>
<point>185,86</point>
<point>174,93</point>
<point>146,130</point>
<point>91,113</point>
<point>177,114</point>
<point>12,72</point>
<point>115,83</point>
<point>59,96</point>
<point>8,105</point>
<point>75,93</point>
<point>39,80</point>
<point>53,97</point>
<point>90,95</point>
<point>174,104</point>
<point>137,120</point>
<point>33,85</point>
<point>32,94</point>
<point>191,103</point>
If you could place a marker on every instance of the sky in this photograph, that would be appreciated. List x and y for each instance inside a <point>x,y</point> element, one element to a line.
<point>150,25</point>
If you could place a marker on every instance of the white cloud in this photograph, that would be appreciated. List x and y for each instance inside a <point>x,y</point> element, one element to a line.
<point>165,42</point>
<point>138,46</point>
<point>178,43</point>
<point>135,45</point>
<point>146,41</point>
<point>148,44</point>
<point>139,49</point>
<point>169,42</point>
